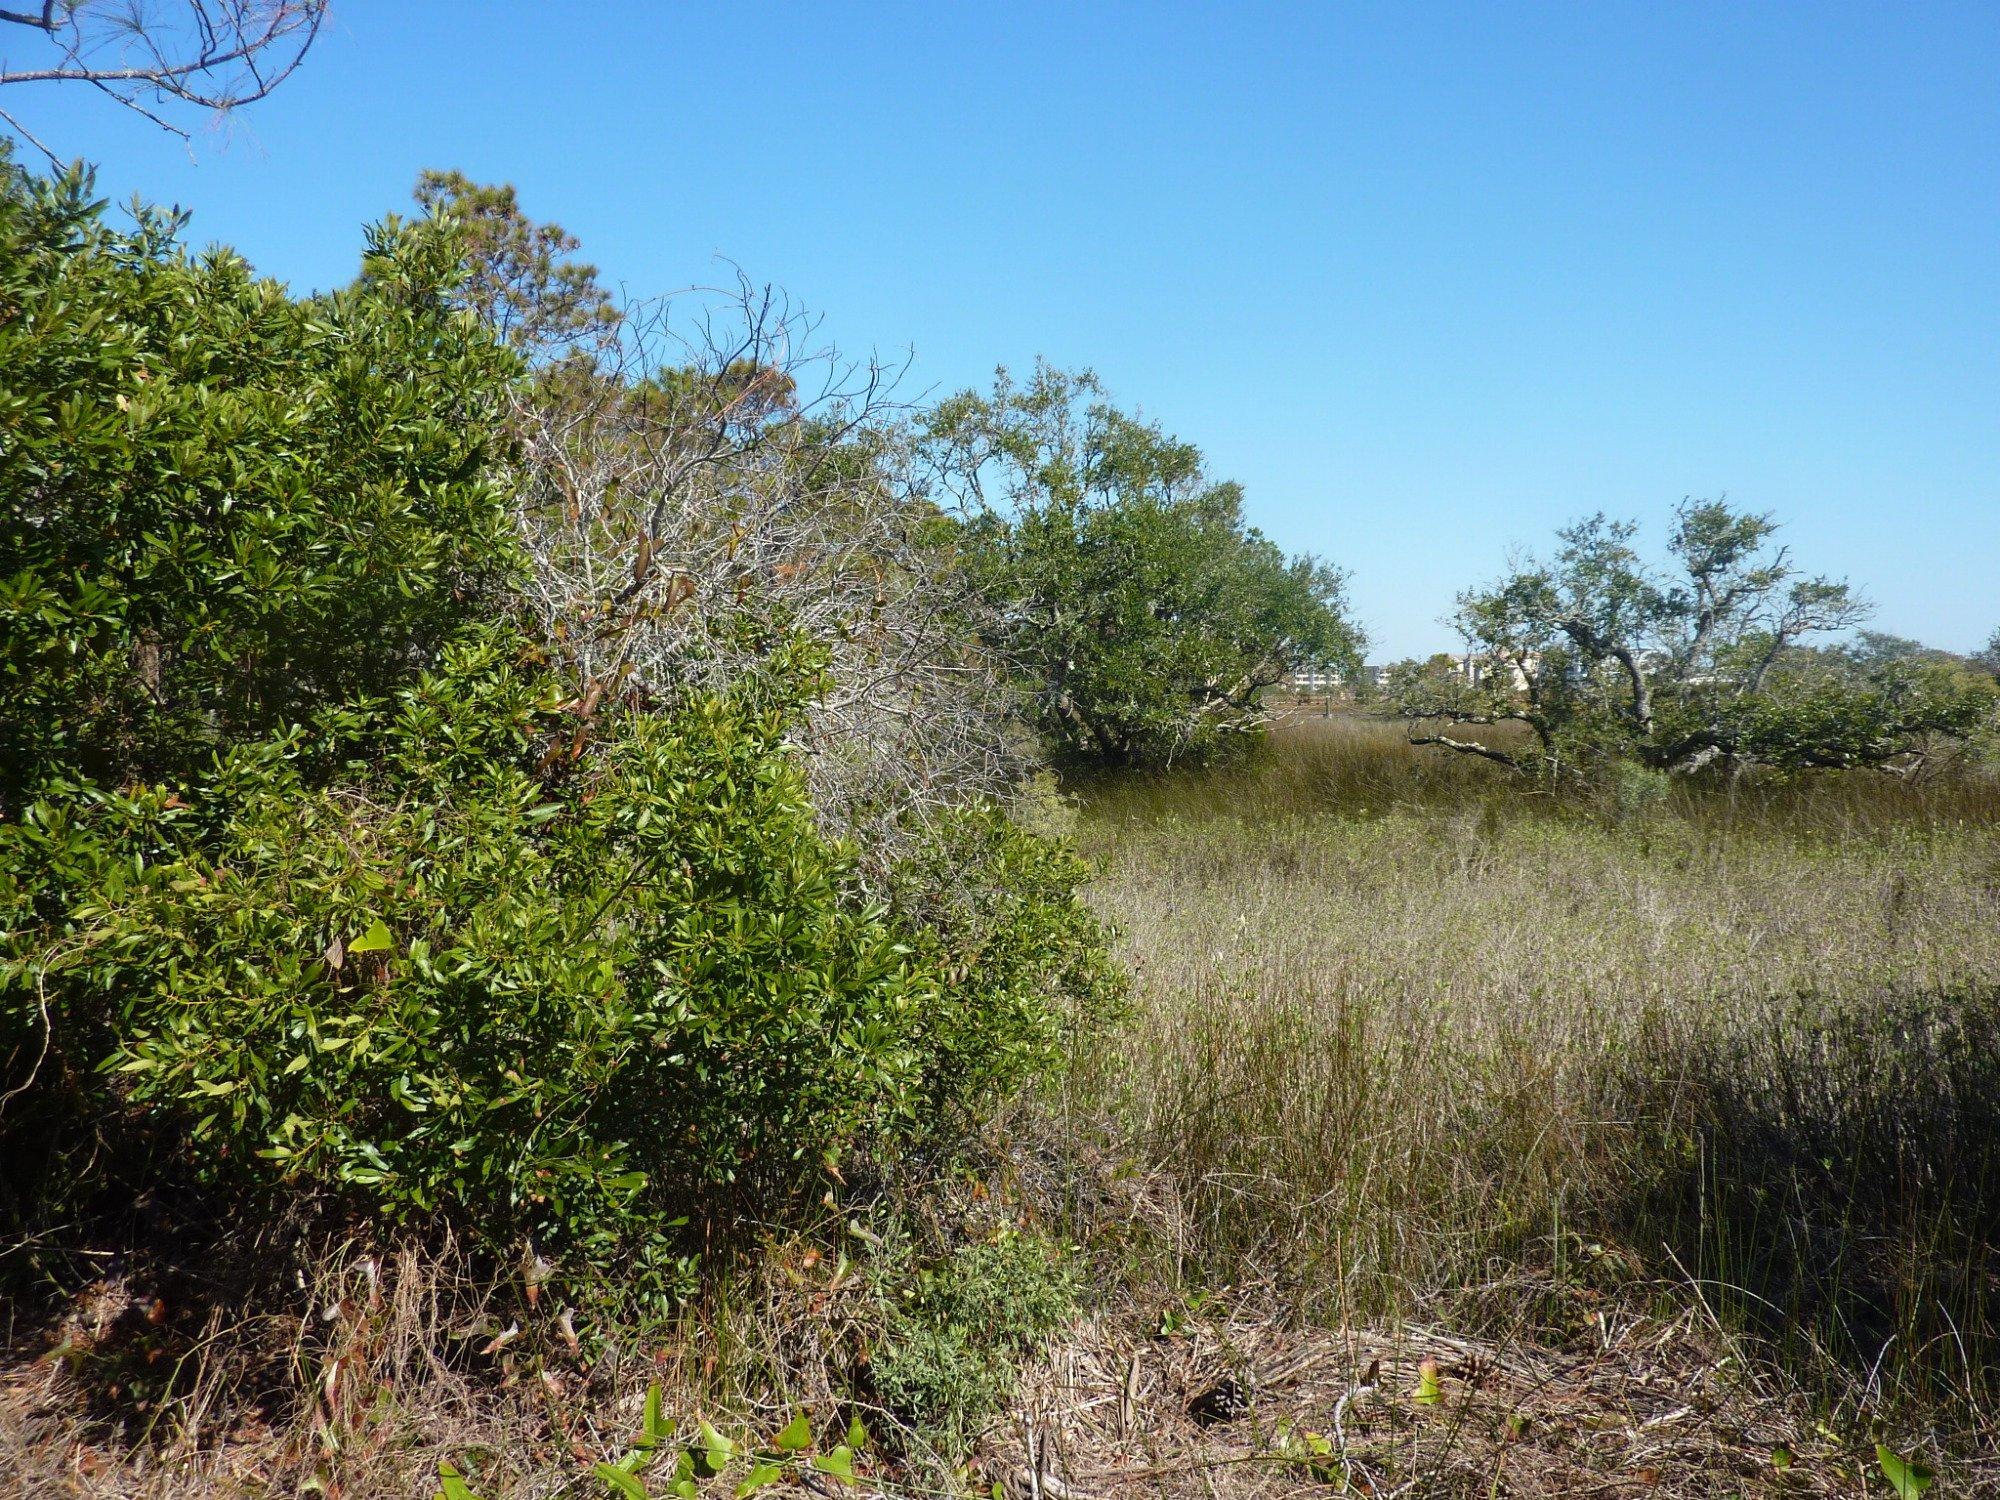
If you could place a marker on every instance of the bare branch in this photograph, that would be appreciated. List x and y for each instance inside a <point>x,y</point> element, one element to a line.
<point>31,138</point>
<point>210,55</point>
<point>1470,747</point>
<point>714,481</point>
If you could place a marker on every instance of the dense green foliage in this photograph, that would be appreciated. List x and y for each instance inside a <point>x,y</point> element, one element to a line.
<point>955,1326</point>
<point>557,1006</point>
<point>315,874</point>
<point>1145,615</point>
<point>1987,658</point>
<point>1605,659</point>
<point>997,912</point>
<point>222,507</point>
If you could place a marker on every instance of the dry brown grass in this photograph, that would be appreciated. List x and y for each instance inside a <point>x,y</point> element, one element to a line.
<point>1645,1411</point>
<point>360,1379</point>
<point>386,1366</point>
<point>358,1384</point>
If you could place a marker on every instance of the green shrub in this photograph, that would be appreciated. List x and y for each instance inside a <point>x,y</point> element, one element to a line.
<point>562,1010</point>
<point>1024,967</point>
<point>219,507</point>
<point>548,1008</point>
<point>956,1328</point>
<point>1631,792</point>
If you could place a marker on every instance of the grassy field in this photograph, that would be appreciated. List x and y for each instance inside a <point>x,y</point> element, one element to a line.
<point>1414,1042</point>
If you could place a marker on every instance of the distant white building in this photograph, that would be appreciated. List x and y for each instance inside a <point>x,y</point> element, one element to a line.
<point>1316,680</point>
<point>1476,670</point>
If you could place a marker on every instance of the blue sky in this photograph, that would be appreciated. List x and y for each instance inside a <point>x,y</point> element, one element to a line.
<point>1428,279</point>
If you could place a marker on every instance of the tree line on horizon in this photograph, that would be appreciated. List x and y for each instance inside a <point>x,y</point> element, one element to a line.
<point>1144,623</point>
<point>1122,578</point>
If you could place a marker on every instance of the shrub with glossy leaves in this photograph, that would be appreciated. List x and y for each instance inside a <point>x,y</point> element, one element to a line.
<point>312,877</point>
<point>449,983</point>
<point>559,1009</point>
<point>221,507</point>
<point>997,911</point>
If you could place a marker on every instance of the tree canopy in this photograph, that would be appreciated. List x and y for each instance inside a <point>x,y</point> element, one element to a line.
<point>521,276</point>
<point>1144,614</point>
<point>1987,658</point>
<point>1706,658</point>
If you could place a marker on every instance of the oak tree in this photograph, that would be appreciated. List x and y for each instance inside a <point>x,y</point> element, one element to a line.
<point>1144,614</point>
<point>1706,658</point>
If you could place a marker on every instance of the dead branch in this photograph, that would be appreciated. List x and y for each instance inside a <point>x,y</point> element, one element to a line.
<point>716,481</point>
<point>155,55</point>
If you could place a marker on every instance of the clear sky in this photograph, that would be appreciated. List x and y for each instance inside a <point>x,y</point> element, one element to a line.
<point>1428,279</point>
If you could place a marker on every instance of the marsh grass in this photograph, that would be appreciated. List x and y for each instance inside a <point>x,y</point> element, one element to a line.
<point>1415,1041</point>
<point>1352,763</point>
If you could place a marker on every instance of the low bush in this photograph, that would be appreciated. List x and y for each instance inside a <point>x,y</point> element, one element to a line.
<point>956,1327</point>
<point>556,1010</point>
<point>998,913</point>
